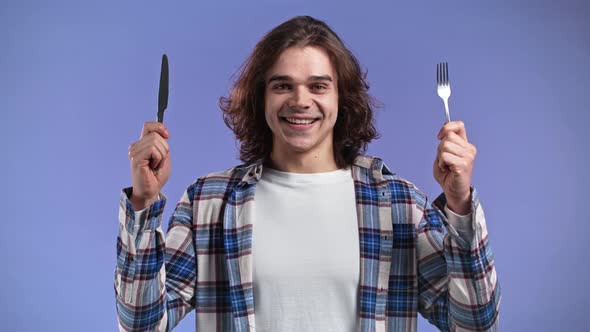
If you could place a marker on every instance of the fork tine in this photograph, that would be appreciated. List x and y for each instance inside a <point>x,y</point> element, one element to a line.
<point>438,73</point>
<point>446,73</point>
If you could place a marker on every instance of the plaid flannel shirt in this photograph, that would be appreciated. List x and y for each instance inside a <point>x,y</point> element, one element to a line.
<point>408,263</point>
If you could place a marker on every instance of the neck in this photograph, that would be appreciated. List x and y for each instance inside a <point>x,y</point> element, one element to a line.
<point>307,162</point>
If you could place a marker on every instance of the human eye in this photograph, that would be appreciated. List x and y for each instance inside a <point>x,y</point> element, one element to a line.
<point>281,86</point>
<point>319,87</point>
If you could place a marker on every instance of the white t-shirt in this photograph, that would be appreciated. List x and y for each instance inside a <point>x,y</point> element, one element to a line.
<point>305,250</point>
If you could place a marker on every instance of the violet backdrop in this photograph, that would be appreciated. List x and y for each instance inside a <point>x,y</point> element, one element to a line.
<point>77,81</point>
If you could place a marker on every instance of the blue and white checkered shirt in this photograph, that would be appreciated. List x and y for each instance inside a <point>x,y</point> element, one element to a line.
<point>409,263</point>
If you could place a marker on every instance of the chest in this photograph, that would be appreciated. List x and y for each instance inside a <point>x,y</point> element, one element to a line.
<point>307,233</point>
<point>227,232</point>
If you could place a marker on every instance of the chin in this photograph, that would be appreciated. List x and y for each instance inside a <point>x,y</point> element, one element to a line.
<point>299,147</point>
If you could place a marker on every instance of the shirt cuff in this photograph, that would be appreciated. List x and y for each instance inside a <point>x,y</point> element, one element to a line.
<point>462,223</point>
<point>146,219</point>
<point>143,211</point>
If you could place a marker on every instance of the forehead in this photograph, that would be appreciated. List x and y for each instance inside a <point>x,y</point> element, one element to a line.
<point>302,62</point>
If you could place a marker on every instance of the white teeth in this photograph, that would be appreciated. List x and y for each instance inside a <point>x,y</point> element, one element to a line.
<point>300,121</point>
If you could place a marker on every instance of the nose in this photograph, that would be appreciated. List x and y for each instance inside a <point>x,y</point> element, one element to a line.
<point>301,99</point>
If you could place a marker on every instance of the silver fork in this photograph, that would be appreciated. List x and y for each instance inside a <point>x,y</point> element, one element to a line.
<point>443,85</point>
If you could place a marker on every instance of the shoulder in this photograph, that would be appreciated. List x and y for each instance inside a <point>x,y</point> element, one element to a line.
<point>218,183</point>
<point>406,198</point>
<point>375,170</point>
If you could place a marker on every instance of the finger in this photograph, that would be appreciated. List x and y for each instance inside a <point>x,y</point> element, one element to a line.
<point>453,148</point>
<point>152,151</point>
<point>163,162</point>
<point>467,147</point>
<point>453,137</point>
<point>149,127</point>
<point>163,146</point>
<point>451,161</point>
<point>156,156</point>
<point>457,127</point>
<point>130,149</point>
<point>150,154</point>
<point>438,164</point>
<point>164,149</point>
<point>146,143</point>
<point>159,141</point>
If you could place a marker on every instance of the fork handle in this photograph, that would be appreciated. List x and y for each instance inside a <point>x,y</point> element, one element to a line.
<point>446,102</point>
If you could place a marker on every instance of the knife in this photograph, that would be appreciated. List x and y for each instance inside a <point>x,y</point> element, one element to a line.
<point>163,93</point>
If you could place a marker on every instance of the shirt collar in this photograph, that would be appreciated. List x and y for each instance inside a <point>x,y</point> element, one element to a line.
<point>251,172</point>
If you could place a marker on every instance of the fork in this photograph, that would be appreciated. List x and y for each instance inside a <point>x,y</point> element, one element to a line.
<point>443,85</point>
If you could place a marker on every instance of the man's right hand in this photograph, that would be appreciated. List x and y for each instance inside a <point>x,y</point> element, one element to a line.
<point>150,164</point>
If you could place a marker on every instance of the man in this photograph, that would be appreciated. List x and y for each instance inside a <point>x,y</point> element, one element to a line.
<point>308,234</point>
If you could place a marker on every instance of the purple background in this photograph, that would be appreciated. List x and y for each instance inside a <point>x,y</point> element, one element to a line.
<point>77,81</point>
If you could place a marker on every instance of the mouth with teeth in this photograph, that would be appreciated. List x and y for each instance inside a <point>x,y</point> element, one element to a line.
<point>299,123</point>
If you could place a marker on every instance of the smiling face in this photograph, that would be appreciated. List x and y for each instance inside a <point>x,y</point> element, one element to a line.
<point>301,103</point>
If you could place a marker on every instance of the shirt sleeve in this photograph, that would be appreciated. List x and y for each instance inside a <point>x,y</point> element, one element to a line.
<point>155,274</point>
<point>457,284</point>
<point>462,223</point>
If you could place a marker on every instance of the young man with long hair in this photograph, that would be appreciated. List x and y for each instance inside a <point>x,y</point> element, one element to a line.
<point>308,234</point>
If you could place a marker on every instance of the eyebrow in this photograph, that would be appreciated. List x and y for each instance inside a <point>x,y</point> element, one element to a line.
<point>313,78</point>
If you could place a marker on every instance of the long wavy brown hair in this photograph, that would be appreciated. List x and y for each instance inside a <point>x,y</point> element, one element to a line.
<point>243,109</point>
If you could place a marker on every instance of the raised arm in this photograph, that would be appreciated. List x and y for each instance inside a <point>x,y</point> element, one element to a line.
<point>155,274</point>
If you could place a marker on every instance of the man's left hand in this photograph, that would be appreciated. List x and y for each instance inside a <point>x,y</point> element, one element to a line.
<point>453,166</point>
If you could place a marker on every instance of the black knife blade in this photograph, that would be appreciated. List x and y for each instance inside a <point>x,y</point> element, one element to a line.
<point>163,93</point>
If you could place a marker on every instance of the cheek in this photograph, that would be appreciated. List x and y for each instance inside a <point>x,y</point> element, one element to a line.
<point>270,114</point>
<point>269,120</point>
<point>330,108</point>
<point>272,106</point>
